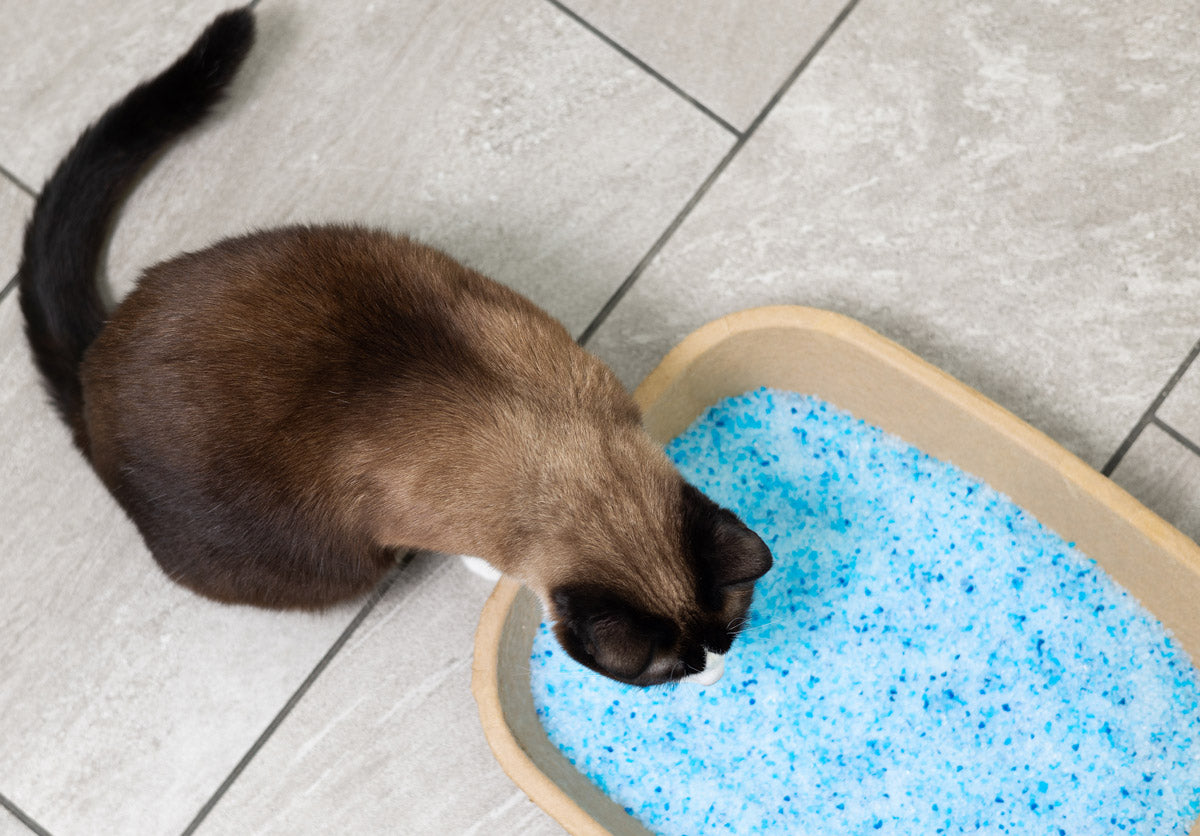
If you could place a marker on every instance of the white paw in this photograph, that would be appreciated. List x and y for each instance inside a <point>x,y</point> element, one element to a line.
<point>481,567</point>
<point>714,666</point>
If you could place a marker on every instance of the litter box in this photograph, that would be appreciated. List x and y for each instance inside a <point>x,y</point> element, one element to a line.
<point>845,363</point>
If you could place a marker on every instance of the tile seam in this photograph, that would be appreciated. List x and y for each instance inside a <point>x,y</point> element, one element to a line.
<point>1176,434</point>
<point>7,174</point>
<point>741,141</point>
<point>1150,413</point>
<point>8,288</point>
<point>645,67</point>
<point>22,816</point>
<point>298,695</point>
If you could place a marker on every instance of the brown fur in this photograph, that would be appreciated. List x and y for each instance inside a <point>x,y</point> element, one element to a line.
<point>280,412</point>
<point>397,396</point>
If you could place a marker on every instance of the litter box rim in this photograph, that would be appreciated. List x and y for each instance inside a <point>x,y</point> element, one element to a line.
<point>1062,491</point>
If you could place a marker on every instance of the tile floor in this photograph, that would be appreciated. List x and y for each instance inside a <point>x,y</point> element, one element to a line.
<point>1009,190</point>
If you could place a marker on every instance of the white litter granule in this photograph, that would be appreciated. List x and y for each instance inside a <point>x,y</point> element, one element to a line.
<point>924,657</point>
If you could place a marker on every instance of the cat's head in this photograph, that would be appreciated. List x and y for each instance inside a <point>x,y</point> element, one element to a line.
<point>670,611</point>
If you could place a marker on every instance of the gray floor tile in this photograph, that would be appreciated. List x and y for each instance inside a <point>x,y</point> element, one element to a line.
<point>15,206</point>
<point>729,56</point>
<point>1181,409</point>
<point>1013,202</point>
<point>1165,476</point>
<point>62,57</point>
<point>500,131</point>
<point>388,738</point>
<point>126,699</point>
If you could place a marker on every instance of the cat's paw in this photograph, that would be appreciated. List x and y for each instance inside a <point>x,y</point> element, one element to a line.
<point>481,567</point>
<point>714,668</point>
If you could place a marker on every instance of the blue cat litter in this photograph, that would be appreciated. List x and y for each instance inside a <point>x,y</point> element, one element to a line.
<point>924,658</point>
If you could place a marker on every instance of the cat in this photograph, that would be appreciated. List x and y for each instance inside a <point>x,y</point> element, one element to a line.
<point>280,412</point>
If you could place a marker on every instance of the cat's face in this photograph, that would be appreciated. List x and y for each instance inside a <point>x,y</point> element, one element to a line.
<point>641,637</point>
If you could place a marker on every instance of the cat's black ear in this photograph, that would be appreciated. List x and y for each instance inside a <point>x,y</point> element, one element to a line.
<point>726,552</point>
<point>604,633</point>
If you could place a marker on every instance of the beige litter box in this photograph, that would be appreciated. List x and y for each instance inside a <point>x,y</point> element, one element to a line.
<point>841,361</point>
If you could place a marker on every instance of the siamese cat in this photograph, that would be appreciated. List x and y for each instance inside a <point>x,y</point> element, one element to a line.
<point>280,412</point>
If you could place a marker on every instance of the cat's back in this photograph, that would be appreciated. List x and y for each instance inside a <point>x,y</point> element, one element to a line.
<point>272,314</point>
<point>316,287</point>
<point>312,332</point>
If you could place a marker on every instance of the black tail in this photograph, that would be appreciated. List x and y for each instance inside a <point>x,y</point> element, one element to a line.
<point>65,236</point>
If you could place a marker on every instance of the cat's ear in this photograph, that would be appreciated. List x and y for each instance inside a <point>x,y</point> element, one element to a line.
<point>602,632</point>
<point>727,553</point>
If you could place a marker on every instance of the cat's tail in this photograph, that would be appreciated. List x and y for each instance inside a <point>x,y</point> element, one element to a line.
<point>57,276</point>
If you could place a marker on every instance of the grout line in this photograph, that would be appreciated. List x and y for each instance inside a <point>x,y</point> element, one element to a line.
<point>1176,434</point>
<point>375,598</point>
<point>22,817</point>
<point>662,79</point>
<point>18,182</point>
<point>1133,436</point>
<point>742,139</point>
<point>801,67</point>
<point>1149,415</point>
<point>8,288</point>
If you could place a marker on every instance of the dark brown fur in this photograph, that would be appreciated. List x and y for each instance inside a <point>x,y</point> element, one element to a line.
<point>278,413</point>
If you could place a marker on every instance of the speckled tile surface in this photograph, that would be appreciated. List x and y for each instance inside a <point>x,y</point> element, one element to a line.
<point>500,131</point>
<point>730,56</point>
<point>1010,191</point>
<point>388,738</point>
<point>1015,203</point>
<point>15,206</point>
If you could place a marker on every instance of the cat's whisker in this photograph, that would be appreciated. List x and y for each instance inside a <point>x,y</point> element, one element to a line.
<point>748,623</point>
<point>753,628</point>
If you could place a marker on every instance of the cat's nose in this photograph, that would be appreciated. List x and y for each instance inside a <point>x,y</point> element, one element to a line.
<point>714,667</point>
